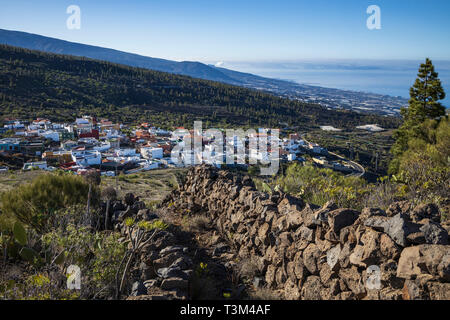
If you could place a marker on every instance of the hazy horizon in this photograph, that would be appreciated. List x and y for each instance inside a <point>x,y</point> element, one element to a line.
<point>389,77</point>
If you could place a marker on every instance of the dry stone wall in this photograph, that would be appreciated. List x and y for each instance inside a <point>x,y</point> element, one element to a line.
<point>316,253</point>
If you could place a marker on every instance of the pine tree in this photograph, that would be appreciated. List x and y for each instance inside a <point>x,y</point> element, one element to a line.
<point>425,94</point>
<point>423,105</point>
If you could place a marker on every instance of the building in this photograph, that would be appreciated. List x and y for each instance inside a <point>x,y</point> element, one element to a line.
<point>152,153</point>
<point>86,158</point>
<point>60,156</point>
<point>291,157</point>
<point>10,144</point>
<point>4,169</point>
<point>92,133</point>
<point>35,165</point>
<point>129,152</point>
<point>50,135</point>
<point>114,143</point>
<point>69,145</point>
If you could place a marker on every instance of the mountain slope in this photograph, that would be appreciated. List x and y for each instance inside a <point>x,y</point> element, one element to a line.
<point>331,98</point>
<point>59,87</point>
<point>46,44</point>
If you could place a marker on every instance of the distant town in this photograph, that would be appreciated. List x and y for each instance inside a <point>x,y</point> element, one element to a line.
<point>342,99</point>
<point>115,148</point>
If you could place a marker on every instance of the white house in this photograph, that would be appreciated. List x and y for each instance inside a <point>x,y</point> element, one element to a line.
<point>87,158</point>
<point>152,153</point>
<point>51,135</point>
<point>102,146</point>
<point>129,152</point>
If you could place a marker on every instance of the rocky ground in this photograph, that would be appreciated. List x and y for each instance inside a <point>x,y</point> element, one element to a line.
<point>185,261</point>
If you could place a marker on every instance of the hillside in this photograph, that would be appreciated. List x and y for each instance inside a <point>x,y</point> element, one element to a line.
<point>332,98</point>
<point>36,84</point>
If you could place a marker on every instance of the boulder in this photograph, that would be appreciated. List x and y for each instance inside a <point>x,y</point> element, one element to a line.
<point>333,257</point>
<point>171,249</point>
<point>311,256</point>
<point>399,207</point>
<point>368,252</point>
<point>426,211</point>
<point>388,247</point>
<point>341,218</point>
<point>129,199</point>
<point>312,288</point>
<point>326,273</point>
<point>291,290</point>
<point>270,275</point>
<point>439,291</point>
<point>172,273</point>
<point>306,233</point>
<point>353,280</point>
<point>308,217</point>
<point>376,222</point>
<point>398,228</point>
<point>434,233</point>
<point>220,249</point>
<point>322,214</point>
<point>425,259</point>
<point>166,260</point>
<point>174,283</point>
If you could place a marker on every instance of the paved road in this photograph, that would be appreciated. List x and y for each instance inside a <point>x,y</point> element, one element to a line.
<point>359,170</point>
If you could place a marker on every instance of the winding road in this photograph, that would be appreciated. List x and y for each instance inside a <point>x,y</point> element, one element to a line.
<point>358,169</point>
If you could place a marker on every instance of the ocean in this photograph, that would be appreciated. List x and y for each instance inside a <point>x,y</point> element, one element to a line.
<point>392,78</point>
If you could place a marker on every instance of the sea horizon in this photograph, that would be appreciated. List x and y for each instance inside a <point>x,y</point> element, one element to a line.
<point>386,77</point>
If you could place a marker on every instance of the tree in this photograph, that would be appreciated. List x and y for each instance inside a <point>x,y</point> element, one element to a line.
<point>423,104</point>
<point>425,94</point>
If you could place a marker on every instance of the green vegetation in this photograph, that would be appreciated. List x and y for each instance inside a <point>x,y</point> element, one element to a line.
<point>420,167</point>
<point>35,204</point>
<point>422,147</point>
<point>47,256</point>
<point>38,246</point>
<point>36,84</point>
<point>424,168</point>
<point>318,186</point>
<point>423,106</point>
<point>372,148</point>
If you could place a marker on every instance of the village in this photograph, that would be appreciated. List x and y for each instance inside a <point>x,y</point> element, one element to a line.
<point>114,148</point>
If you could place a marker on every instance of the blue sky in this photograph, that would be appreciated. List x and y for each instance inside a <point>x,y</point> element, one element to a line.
<point>245,30</point>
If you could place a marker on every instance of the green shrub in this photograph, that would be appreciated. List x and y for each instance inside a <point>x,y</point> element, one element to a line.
<point>318,186</point>
<point>35,203</point>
